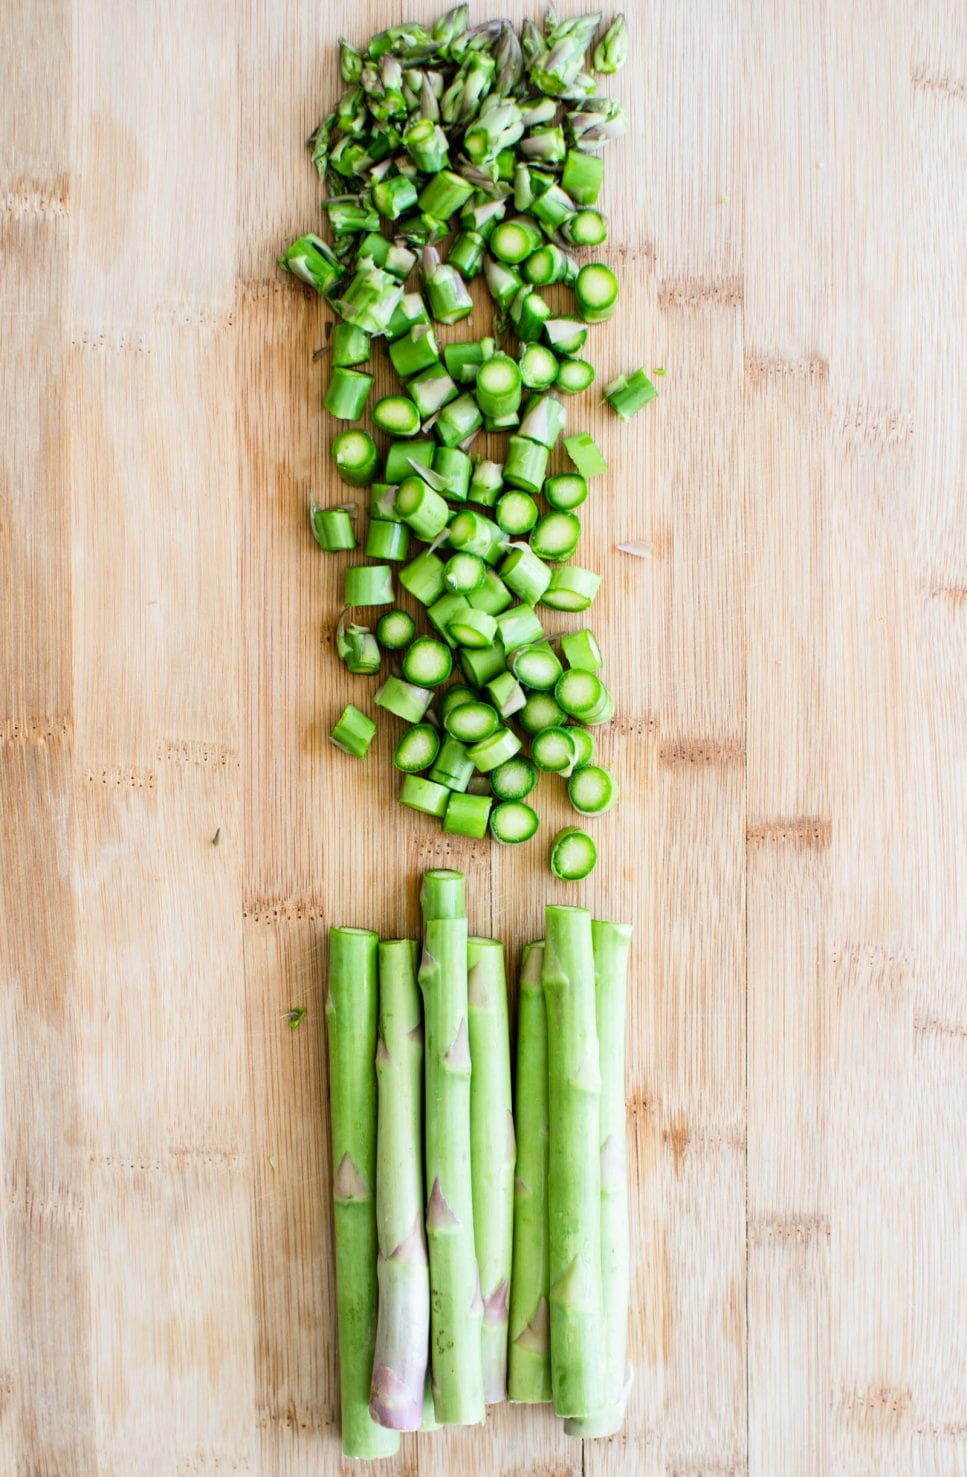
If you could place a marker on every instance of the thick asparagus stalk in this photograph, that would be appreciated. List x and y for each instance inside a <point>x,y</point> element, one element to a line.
<point>456,1310</point>
<point>573,1170</point>
<point>611,943</point>
<point>530,1346</point>
<point>351,1030</point>
<point>492,1152</point>
<point>403,1325</point>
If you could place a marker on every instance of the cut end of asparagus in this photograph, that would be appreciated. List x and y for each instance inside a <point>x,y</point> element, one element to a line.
<point>605,1422</point>
<point>443,894</point>
<point>532,966</point>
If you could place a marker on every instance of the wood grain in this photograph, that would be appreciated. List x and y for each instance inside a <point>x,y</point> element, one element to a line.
<point>791,741</point>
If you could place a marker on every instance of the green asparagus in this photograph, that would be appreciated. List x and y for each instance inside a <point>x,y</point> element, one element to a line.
<point>492,1152</point>
<point>456,1309</point>
<point>530,1349</point>
<point>351,1011</point>
<point>573,1176</point>
<point>611,942</point>
<point>403,1325</point>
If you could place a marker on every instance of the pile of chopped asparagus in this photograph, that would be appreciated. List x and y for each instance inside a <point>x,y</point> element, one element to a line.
<point>487,141</point>
<point>503,1271</point>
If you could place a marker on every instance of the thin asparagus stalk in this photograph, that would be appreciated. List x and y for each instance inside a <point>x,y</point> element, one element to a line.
<point>403,1324</point>
<point>492,1152</point>
<point>530,1346</point>
<point>456,1310</point>
<point>573,1173</point>
<point>611,943</point>
<point>351,1031</point>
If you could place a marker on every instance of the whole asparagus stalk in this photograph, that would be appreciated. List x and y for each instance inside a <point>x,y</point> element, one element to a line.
<point>573,1167</point>
<point>611,943</point>
<point>456,1310</point>
<point>530,1344</point>
<point>403,1324</point>
<point>492,1152</point>
<point>351,1007</point>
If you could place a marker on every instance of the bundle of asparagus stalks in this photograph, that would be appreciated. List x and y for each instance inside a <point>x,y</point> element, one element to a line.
<point>481,1253</point>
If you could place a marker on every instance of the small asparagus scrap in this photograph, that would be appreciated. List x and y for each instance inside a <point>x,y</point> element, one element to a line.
<point>530,1347</point>
<point>611,52</point>
<point>611,943</point>
<point>351,1008</point>
<point>456,1309</point>
<point>492,1152</point>
<point>403,1327</point>
<point>573,1173</point>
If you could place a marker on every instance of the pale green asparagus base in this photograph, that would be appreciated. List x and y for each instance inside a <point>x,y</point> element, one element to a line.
<point>492,1153</point>
<point>529,1364</point>
<point>574,1176</point>
<point>456,1310</point>
<point>611,943</point>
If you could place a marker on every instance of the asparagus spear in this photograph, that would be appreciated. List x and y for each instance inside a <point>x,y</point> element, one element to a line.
<point>611,943</point>
<point>351,1033</point>
<point>530,1349</point>
<point>573,1175</point>
<point>403,1324</point>
<point>492,1152</point>
<point>456,1310</point>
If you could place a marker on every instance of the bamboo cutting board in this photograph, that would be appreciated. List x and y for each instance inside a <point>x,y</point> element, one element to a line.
<point>789,218</point>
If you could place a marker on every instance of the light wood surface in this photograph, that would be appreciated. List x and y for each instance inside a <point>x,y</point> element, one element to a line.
<point>789,214</point>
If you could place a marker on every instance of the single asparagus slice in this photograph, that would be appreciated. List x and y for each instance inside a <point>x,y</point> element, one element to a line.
<point>351,1031</point>
<point>611,944</point>
<point>403,1323</point>
<point>530,1344</point>
<point>456,1310</point>
<point>492,1153</point>
<point>573,1165</point>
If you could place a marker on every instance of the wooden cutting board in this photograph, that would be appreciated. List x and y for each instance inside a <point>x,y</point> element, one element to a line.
<point>788,216</point>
